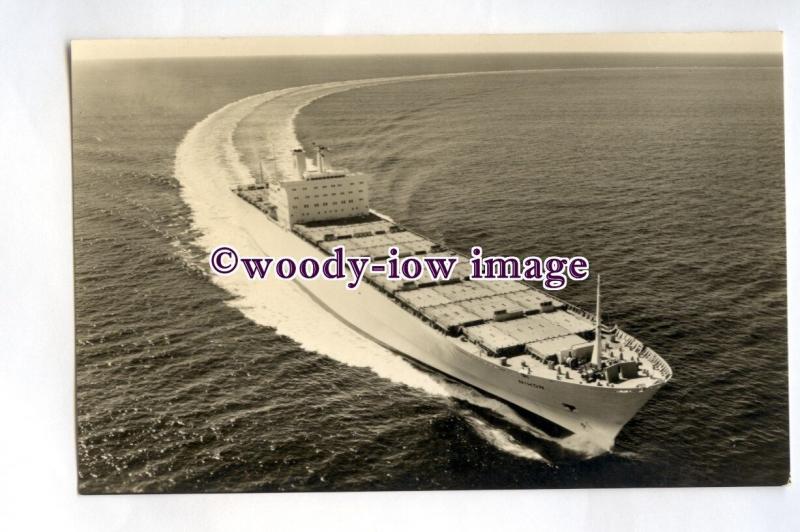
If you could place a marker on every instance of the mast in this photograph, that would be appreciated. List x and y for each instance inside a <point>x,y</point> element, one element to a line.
<point>598,344</point>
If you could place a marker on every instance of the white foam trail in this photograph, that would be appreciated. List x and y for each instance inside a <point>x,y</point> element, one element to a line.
<point>503,440</point>
<point>574,442</point>
<point>207,165</point>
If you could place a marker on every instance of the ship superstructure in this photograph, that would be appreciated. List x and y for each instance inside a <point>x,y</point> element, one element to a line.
<point>507,338</point>
<point>317,193</point>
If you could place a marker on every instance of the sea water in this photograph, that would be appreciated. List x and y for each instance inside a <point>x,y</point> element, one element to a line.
<point>669,179</point>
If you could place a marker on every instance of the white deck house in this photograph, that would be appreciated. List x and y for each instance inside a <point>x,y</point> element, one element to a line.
<point>317,193</point>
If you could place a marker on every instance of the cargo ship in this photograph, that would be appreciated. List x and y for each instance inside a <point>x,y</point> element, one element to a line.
<point>508,339</point>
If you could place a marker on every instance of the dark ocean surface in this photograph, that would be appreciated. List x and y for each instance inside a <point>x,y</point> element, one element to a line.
<point>670,180</point>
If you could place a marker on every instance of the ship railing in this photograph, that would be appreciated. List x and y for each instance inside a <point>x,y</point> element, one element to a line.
<point>646,353</point>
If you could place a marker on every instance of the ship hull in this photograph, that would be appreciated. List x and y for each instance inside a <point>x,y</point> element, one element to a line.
<point>596,412</point>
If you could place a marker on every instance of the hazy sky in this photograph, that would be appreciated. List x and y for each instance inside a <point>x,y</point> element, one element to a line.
<point>741,42</point>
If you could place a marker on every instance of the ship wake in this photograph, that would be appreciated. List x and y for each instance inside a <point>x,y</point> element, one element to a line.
<point>207,164</point>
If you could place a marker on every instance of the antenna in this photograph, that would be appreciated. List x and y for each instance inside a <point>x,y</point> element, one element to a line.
<point>598,343</point>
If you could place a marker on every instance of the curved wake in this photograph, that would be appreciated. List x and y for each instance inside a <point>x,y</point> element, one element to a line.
<point>207,164</point>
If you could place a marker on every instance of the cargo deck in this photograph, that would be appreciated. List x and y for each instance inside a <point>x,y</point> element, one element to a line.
<point>511,323</point>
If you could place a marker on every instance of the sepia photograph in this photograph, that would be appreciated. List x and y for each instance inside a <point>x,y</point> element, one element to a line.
<point>431,262</point>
